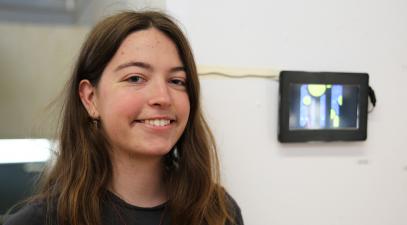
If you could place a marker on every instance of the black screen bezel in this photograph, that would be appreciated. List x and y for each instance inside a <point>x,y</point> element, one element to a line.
<point>301,77</point>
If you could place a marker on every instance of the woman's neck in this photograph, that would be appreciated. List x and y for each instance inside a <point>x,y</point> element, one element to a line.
<point>138,181</point>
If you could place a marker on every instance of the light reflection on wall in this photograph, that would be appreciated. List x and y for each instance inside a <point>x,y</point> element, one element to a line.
<point>25,150</point>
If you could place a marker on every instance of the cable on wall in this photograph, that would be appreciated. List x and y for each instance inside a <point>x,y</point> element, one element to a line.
<point>238,72</point>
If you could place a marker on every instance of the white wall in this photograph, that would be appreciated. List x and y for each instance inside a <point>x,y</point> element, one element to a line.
<point>35,62</point>
<point>359,183</point>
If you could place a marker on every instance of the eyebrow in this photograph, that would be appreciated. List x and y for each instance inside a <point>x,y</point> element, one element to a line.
<point>146,66</point>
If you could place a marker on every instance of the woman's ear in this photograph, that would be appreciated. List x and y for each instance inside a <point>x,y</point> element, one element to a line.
<point>87,93</point>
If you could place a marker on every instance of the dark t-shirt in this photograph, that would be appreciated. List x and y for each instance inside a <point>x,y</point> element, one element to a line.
<point>115,212</point>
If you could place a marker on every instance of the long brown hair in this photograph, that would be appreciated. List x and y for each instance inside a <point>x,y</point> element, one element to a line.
<point>76,183</point>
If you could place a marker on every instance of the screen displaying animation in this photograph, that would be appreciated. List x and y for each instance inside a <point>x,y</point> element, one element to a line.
<point>323,106</point>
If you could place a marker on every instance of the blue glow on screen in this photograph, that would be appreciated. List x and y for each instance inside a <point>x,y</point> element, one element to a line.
<point>323,106</point>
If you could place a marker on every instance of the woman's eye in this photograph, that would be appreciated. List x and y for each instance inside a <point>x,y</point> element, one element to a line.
<point>179,82</point>
<point>135,79</point>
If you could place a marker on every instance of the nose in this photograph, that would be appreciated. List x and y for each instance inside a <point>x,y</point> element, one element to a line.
<point>159,94</point>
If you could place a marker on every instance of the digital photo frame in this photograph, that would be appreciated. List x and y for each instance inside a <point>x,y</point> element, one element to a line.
<point>322,106</point>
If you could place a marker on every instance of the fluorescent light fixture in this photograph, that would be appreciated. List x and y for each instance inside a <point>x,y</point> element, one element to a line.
<point>50,5</point>
<point>25,150</point>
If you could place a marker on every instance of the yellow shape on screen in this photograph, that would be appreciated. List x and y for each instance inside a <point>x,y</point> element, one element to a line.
<point>316,90</point>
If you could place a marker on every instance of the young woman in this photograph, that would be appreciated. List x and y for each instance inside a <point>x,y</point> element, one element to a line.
<point>134,147</point>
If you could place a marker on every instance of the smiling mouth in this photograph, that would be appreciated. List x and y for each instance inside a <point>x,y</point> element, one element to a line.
<point>156,122</point>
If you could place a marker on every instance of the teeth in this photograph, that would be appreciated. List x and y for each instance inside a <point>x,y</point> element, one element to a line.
<point>157,123</point>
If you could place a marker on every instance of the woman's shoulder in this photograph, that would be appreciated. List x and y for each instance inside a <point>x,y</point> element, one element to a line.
<point>234,209</point>
<point>31,214</point>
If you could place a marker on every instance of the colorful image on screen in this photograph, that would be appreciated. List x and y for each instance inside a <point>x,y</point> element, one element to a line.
<point>323,106</point>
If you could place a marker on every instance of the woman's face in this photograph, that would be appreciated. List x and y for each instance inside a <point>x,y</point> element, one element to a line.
<point>141,98</point>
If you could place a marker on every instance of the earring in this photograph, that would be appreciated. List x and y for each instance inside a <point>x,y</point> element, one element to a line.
<point>94,119</point>
<point>175,157</point>
<point>95,123</point>
<point>172,159</point>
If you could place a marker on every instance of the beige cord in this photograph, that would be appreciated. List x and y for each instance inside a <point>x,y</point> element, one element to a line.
<point>237,72</point>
